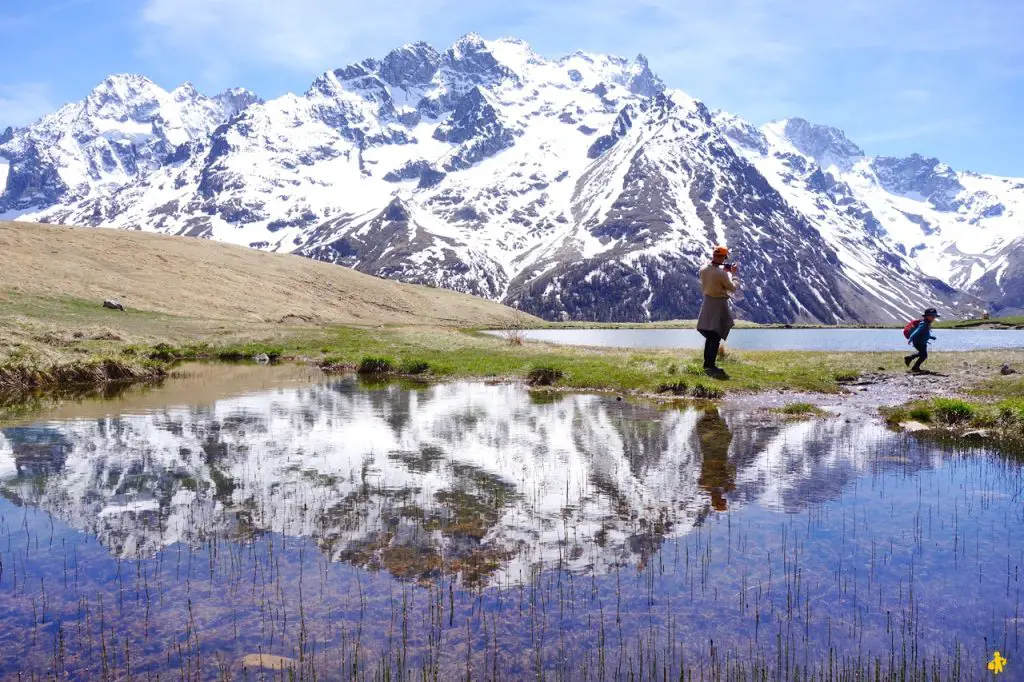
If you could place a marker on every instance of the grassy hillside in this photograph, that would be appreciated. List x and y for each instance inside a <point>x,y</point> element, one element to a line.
<point>205,280</point>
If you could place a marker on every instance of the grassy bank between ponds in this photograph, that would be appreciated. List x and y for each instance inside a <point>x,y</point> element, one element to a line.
<point>992,420</point>
<point>89,343</point>
<point>447,353</point>
<point>459,354</point>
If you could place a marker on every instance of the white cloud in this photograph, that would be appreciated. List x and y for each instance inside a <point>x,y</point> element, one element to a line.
<point>869,64</point>
<point>23,103</point>
<point>311,35</point>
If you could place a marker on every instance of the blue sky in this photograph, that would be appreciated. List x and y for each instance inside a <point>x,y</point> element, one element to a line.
<point>941,77</point>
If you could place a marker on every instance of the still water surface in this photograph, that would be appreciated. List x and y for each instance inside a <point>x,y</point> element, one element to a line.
<point>782,339</point>
<point>431,531</point>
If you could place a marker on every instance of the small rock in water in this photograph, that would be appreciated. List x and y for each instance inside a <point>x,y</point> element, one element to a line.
<point>1006,370</point>
<point>980,434</point>
<point>113,305</point>
<point>268,662</point>
<point>262,358</point>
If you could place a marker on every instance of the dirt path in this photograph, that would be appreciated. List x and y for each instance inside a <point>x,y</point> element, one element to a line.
<point>870,392</point>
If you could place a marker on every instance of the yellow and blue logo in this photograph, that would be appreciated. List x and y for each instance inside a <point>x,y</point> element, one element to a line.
<point>997,663</point>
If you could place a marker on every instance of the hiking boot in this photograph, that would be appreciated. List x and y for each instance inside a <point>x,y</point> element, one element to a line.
<point>716,373</point>
<point>907,359</point>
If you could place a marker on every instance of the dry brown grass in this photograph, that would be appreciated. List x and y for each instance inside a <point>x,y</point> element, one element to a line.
<point>196,278</point>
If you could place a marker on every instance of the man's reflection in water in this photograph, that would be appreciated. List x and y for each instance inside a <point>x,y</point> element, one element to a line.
<point>717,475</point>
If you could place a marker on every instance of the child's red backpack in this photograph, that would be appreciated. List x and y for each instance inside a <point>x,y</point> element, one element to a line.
<point>909,329</point>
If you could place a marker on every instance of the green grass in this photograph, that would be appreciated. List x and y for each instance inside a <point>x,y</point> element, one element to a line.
<point>248,351</point>
<point>921,414</point>
<point>1011,409</point>
<point>1008,321</point>
<point>800,409</point>
<point>544,376</point>
<point>954,410</point>
<point>375,365</point>
<point>461,354</point>
<point>706,392</point>
<point>414,367</point>
<point>846,375</point>
<point>997,423</point>
<point>679,388</point>
<point>455,354</point>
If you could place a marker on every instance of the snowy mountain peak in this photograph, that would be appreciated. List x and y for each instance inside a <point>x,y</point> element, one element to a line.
<point>469,43</point>
<point>741,132</point>
<point>124,85</point>
<point>410,65</point>
<point>643,81</point>
<point>122,96</point>
<point>185,92</point>
<point>234,100</point>
<point>826,145</point>
<point>472,59</point>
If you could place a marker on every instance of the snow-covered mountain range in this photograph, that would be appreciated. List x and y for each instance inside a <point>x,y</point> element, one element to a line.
<point>573,188</point>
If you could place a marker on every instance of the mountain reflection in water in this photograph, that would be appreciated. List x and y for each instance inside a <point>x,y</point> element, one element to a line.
<point>485,481</point>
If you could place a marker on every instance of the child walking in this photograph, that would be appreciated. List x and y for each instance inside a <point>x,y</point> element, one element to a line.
<point>919,339</point>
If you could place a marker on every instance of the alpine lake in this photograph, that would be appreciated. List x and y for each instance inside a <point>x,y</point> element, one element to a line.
<point>248,522</point>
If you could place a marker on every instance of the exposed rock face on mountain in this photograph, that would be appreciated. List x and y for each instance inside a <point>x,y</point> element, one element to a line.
<point>826,146</point>
<point>578,187</point>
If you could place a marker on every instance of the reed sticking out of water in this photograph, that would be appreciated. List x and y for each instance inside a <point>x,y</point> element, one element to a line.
<point>232,603</point>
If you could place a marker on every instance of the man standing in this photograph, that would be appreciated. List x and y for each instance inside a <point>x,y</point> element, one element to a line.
<point>717,280</point>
